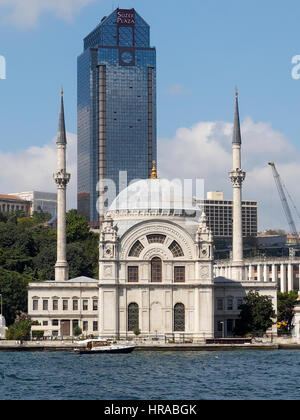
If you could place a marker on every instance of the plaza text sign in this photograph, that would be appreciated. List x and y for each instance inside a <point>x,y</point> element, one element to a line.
<point>126,17</point>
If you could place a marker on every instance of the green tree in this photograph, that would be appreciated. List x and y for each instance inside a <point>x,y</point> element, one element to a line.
<point>14,289</point>
<point>80,263</point>
<point>77,227</point>
<point>137,332</point>
<point>77,331</point>
<point>26,222</point>
<point>21,329</point>
<point>40,216</point>
<point>28,253</point>
<point>256,316</point>
<point>285,309</point>
<point>44,262</point>
<point>8,235</point>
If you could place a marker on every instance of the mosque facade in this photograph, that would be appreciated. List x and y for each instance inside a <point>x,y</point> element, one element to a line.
<point>157,273</point>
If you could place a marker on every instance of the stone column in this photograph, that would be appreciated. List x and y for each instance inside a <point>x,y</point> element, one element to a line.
<point>251,272</point>
<point>274,273</point>
<point>290,278</point>
<point>259,270</point>
<point>282,278</point>
<point>266,273</point>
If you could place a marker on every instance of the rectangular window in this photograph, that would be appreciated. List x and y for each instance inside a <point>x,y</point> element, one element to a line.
<point>240,302</point>
<point>75,305</point>
<point>85,326</point>
<point>65,305</point>
<point>220,326</point>
<point>45,305</point>
<point>229,304</point>
<point>35,305</point>
<point>229,325</point>
<point>220,305</point>
<point>95,305</point>
<point>179,274</point>
<point>55,323</point>
<point>95,326</point>
<point>55,305</point>
<point>85,305</point>
<point>45,323</point>
<point>133,274</point>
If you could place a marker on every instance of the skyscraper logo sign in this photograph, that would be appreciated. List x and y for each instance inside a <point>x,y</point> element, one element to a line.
<point>125,17</point>
<point>2,67</point>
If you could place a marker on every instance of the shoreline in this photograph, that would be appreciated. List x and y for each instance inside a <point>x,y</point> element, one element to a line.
<point>65,346</point>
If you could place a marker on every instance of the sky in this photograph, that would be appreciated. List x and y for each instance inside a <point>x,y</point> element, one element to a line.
<point>205,48</point>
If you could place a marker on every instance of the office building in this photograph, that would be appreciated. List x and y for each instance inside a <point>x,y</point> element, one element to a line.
<point>116,108</point>
<point>219,213</point>
<point>14,204</point>
<point>45,201</point>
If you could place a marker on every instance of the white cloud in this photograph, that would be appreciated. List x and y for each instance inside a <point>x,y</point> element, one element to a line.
<point>33,169</point>
<point>25,13</point>
<point>204,151</point>
<point>178,90</point>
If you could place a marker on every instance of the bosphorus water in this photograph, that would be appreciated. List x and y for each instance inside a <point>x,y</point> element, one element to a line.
<point>228,375</point>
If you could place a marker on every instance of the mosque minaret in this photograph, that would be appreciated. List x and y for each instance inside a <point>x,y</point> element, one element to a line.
<point>61,178</point>
<point>237,176</point>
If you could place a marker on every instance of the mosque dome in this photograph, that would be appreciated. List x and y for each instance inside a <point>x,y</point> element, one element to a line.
<point>155,195</point>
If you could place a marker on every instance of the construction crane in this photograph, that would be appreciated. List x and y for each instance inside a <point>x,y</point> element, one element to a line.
<point>280,185</point>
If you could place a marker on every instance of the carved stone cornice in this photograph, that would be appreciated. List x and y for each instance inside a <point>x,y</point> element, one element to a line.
<point>237,177</point>
<point>62,178</point>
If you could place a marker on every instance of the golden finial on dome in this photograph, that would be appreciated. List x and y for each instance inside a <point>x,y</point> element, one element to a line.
<point>154,171</point>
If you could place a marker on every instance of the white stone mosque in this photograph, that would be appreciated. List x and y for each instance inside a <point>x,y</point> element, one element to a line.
<point>156,266</point>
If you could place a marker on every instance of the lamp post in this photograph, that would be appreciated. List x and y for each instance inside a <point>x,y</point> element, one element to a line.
<point>1,303</point>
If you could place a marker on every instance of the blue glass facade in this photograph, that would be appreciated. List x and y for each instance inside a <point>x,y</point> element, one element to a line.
<point>116,106</point>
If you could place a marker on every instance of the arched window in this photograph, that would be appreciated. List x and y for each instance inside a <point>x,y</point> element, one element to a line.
<point>156,270</point>
<point>156,239</point>
<point>133,316</point>
<point>176,249</point>
<point>179,317</point>
<point>136,249</point>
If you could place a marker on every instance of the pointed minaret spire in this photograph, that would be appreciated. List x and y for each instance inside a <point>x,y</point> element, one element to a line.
<point>237,176</point>
<point>61,179</point>
<point>237,139</point>
<point>61,135</point>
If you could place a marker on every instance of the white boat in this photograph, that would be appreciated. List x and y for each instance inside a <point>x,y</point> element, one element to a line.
<point>94,346</point>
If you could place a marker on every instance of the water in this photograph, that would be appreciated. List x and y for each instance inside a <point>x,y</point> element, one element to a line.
<point>151,376</point>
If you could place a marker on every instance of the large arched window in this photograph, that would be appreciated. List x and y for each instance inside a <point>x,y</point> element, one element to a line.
<point>133,316</point>
<point>136,249</point>
<point>179,317</point>
<point>176,249</point>
<point>156,270</point>
<point>156,239</point>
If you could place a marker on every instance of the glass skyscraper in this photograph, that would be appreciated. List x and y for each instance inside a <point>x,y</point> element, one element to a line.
<point>116,106</point>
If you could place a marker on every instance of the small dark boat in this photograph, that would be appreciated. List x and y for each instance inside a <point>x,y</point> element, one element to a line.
<point>104,347</point>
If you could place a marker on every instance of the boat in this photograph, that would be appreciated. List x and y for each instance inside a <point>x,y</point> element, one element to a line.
<point>94,346</point>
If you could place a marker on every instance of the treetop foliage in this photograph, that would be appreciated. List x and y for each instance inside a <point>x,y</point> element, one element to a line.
<point>28,254</point>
